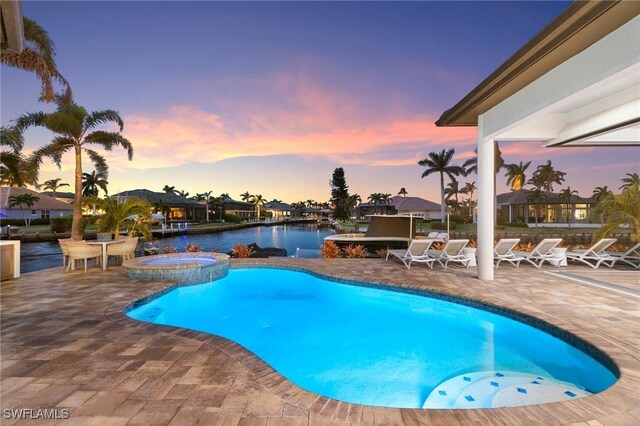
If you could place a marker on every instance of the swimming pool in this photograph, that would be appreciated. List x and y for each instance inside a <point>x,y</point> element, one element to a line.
<point>379,347</point>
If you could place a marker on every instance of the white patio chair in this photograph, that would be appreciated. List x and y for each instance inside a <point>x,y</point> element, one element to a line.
<point>80,250</point>
<point>503,251</point>
<point>65,252</point>
<point>415,253</point>
<point>631,256</point>
<point>451,252</point>
<point>540,253</point>
<point>126,250</point>
<point>595,255</point>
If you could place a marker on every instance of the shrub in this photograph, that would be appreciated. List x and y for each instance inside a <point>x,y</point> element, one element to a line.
<point>169,249</point>
<point>232,218</point>
<point>241,251</point>
<point>473,244</point>
<point>20,222</point>
<point>330,250</point>
<point>382,252</point>
<point>457,218</point>
<point>192,248</point>
<point>355,252</point>
<point>524,247</point>
<point>443,226</point>
<point>61,225</point>
<point>215,250</point>
<point>517,225</point>
<point>437,246</point>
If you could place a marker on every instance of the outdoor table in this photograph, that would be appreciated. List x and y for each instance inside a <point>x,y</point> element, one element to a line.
<point>104,245</point>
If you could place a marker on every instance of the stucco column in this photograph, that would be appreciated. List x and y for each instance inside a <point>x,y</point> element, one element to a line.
<point>485,203</point>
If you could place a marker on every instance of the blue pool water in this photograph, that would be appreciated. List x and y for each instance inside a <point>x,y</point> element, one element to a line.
<point>367,345</point>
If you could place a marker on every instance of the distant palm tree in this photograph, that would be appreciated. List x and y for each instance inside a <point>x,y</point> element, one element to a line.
<point>566,196</point>
<point>600,192</point>
<point>535,196</point>
<point>183,194</point>
<point>515,175</point>
<point>275,200</point>
<point>375,199</point>
<point>53,185</point>
<point>452,190</point>
<point>218,203</point>
<point>630,180</point>
<point>12,171</point>
<point>403,192</point>
<point>441,163</point>
<point>246,196</point>
<point>204,196</point>
<point>257,200</point>
<point>161,206</point>
<point>547,175</point>
<point>92,183</point>
<point>75,130</point>
<point>469,188</point>
<point>169,189</point>
<point>385,199</point>
<point>38,57</point>
<point>22,200</point>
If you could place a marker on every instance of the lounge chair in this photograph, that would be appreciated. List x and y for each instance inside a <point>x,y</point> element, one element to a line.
<point>631,256</point>
<point>540,253</point>
<point>80,250</point>
<point>415,253</point>
<point>451,252</point>
<point>503,251</point>
<point>595,255</point>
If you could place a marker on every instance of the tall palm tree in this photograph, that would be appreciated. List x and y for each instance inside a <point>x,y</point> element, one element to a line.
<point>515,175</point>
<point>600,192</point>
<point>547,175</point>
<point>169,189</point>
<point>440,162</point>
<point>246,196</point>
<point>12,171</point>
<point>453,190</point>
<point>257,201</point>
<point>38,56</point>
<point>375,199</point>
<point>75,130</point>
<point>22,200</point>
<point>218,203</point>
<point>621,209</point>
<point>92,183</point>
<point>403,192</point>
<point>204,196</point>
<point>535,196</point>
<point>183,194</point>
<point>469,188</point>
<point>630,180</point>
<point>53,185</point>
<point>566,196</point>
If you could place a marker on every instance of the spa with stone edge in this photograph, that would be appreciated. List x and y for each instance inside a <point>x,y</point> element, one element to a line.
<point>185,268</point>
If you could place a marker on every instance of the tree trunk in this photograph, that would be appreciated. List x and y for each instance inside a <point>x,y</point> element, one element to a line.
<point>442,206</point>
<point>76,232</point>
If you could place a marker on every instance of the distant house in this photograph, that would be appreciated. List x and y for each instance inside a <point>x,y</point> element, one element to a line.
<point>45,208</point>
<point>180,208</point>
<point>243,209</point>
<point>65,197</point>
<point>416,206</point>
<point>277,210</point>
<point>514,207</point>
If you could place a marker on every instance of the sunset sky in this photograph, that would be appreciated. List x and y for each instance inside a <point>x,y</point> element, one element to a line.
<point>271,97</point>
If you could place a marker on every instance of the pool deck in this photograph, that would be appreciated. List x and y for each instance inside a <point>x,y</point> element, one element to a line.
<point>66,343</point>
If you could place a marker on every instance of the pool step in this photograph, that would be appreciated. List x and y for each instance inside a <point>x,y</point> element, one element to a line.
<point>487,389</point>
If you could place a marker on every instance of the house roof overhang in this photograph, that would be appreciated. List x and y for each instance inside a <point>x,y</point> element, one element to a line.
<point>581,25</point>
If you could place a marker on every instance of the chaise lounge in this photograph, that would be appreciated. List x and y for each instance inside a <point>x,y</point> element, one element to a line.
<point>595,255</point>
<point>417,252</point>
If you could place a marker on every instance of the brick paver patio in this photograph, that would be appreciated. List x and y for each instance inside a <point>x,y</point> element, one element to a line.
<point>66,343</point>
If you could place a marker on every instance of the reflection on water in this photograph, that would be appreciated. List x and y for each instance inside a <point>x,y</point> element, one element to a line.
<point>305,240</point>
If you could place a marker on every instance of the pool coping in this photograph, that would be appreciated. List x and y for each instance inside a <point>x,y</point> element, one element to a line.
<point>300,398</point>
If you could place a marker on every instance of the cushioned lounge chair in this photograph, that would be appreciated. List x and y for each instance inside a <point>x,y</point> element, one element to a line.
<point>417,252</point>
<point>541,253</point>
<point>630,257</point>
<point>595,255</point>
<point>451,252</point>
<point>503,252</point>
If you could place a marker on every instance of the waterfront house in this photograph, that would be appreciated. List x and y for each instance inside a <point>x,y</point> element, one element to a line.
<point>550,209</point>
<point>415,206</point>
<point>44,208</point>
<point>180,208</point>
<point>243,209</point>
<point>277,210</point>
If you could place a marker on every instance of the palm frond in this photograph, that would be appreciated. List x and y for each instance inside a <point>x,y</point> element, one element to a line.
<point>12,138</point>
<point>99,163</point>
<point>96,118</point>
<point>54,150</point>
<point>108,140</point>
<point>38,119</point>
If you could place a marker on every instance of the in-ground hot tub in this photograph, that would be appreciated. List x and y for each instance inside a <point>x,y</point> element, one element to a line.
<point>185,268</point>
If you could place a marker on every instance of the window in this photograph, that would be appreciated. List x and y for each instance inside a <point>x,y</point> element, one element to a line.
<point>44,214</point>
<point>34,212</point>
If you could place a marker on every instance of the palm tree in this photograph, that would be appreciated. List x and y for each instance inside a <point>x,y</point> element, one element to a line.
<point>599,194</point>
<point>117,212</point>
<point>515,175</point>
<point>566,196</point>
<point>547,175</point>
<point>246,196</point>
<point>535,196</point>
<point>630,180</point>
<point>161,206</point>
<point>218,203</point>
<point>453,190</point>
<point>375,199</point>
<point>22,200</point>
<point>92,183</point>
<point>12,171</point>
<point>53,185</point>
<point>169,189</point>
<point>471,166</point>
<point>204,196</point>
<point>74,127</point>
<point>621,209</point>
<point>441,163</point>
<point>183,194</point>
<point>469,188</point>
<point>38,57</point>
<point>403,192</point>
<point>257,201</point>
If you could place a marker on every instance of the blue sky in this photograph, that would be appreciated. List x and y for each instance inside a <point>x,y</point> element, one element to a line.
<point>271,97</point>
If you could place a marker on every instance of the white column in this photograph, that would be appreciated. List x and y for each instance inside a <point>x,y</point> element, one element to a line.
<point>485,203</point>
